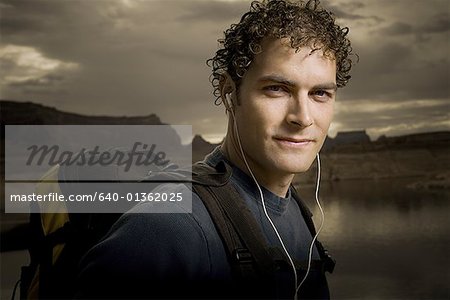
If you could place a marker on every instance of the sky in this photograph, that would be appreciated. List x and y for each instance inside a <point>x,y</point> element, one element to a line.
<point>138,57</point>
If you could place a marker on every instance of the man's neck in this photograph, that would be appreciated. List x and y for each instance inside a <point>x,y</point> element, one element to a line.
<point>273,181</point>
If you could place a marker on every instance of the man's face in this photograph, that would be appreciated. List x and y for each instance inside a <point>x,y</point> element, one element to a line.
<point>285,107</point>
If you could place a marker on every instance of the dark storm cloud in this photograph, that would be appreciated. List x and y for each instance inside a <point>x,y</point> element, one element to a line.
<point>12,25</point>
<point>353,5</point>
<point>395,71</point>
<point>397,28</point>
<point>25,17</point>
<point>405,57</point>
<point>214,11</point>
<point>350,16</point>
<point>346,11</point>
<point>59,29</point>
<point>439,23</point>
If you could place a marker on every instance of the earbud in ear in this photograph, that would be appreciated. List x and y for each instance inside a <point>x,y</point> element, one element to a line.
<point>228,102</point>
<point>228,98</point>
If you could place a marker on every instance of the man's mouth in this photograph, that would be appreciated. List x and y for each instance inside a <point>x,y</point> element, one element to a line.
<point>294,141</point>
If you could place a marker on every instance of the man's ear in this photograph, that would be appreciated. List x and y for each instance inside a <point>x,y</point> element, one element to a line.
<point>227,87</point>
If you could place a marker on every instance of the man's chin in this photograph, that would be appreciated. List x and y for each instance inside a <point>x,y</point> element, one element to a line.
<point>293,167</point>
<point>294,162</point>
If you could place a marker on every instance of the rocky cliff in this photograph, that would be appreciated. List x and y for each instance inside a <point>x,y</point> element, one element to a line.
<point>27,113</point>
<point>424,156</point>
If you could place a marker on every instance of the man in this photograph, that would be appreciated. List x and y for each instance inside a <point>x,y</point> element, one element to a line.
<point>277,74</point>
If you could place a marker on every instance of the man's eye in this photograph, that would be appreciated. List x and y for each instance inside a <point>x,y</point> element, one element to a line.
<point>320,93</point>
<point>274,88</point>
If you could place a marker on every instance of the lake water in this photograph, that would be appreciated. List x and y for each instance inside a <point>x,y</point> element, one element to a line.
<point>390,242</point>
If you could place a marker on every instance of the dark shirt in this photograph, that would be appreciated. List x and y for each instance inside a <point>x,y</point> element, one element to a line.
<point>181,255</point>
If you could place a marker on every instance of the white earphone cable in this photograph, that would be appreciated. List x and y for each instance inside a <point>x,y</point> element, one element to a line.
<point>320,227</point>
<point>297,287</point>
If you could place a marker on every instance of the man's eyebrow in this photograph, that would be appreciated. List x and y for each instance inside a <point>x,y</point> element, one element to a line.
<point>277,79</point>
<point>326,86</point>
<point>282,80</point>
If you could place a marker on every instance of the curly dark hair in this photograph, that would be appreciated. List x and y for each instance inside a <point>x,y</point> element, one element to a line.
<point>303,23</point>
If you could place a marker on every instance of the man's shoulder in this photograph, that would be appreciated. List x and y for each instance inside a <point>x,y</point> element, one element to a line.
<point>184,217</point>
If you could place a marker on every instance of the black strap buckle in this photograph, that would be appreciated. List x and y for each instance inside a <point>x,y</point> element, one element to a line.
<point>242,255</point>
<point>329,262</point>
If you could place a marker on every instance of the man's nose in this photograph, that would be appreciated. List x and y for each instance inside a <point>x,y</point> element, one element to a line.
<point>300,113</point>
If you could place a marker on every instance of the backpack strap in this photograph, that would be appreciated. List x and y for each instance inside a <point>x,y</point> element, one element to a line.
<point>245,244</point>
<point>328,262</point>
